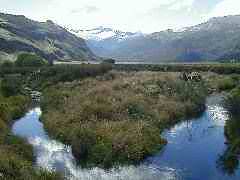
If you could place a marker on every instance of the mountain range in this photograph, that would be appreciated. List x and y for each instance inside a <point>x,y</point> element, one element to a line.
<point>104,41</point>
<point>214,40</point>
<point>19,34</point>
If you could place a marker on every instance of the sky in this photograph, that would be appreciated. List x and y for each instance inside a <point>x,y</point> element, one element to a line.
<point>128,15</point>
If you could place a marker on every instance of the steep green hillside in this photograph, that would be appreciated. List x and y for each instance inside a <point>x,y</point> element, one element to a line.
<point>46,39</point>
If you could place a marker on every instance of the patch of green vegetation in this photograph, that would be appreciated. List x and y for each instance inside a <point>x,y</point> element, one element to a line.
<point>229,161</point>
<point>219,82</point>
<point>14,167</point>
<point>232,102</point>
<point>117,118</point>
<point>220,68</point>
<point>11,85</point>
<point>227,83</point>
<point>109,61</point>
<point>63,73</point>
<point>29,60</point>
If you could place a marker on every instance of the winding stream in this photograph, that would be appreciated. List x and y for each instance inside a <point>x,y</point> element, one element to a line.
<point>193,148</point>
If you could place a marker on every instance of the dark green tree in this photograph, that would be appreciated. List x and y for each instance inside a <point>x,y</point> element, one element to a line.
<point>29,60</point>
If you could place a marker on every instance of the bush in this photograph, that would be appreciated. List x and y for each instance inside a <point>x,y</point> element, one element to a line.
<point>63,73</point>
<point>10,86</point>
<point>29,60</point>
<point>229,161</point>
<point>19,147</point>
<point>226,83</point>
<point>108,144</point>
<point>14,167</point>
<point>232,102</point>
<point>109,61</point>
<point>13,107</point>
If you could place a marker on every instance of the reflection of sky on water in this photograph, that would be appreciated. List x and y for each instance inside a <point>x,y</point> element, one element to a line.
<point>191,153</point>
<point>194,146</point>
<point>53,155</point>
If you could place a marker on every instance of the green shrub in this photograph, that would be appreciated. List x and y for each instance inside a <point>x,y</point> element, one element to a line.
<point>13,107</point>
<point>108,144</point>
<point>229,161</point>
<point>10,86</point>
<point>232,102</point>
<point>63,73</point>
<point>83,139</point>
<point>109,61</point>
<point>29,60</point>
<point>226,83</point>
<point>19,147</point>
<point>3,130</point>
<point>5,114</point>
<point>13,167</point>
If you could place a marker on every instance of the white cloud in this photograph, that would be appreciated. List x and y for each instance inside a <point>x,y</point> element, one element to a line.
<point>130,15</point>
<point>123,14</point>
<point>226,7</point>
<point>181,4</point>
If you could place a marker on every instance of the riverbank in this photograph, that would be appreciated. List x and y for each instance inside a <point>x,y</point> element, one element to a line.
<point>113,119</point>
<point>16,155</point>
<point>177,161</point>
<point>230,159</point>
<point>117,118</point>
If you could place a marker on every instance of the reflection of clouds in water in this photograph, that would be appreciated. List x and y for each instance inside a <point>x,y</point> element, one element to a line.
<point>214,116</point>
<point>218,114</point>
<point>36,111</point>
<point>50,153</point>
<point>181,133</point>
<point>176,130</point>
<point>53,155</point>
<point>127,173</point>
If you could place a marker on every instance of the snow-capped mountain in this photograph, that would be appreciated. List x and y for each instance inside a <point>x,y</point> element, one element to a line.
<point>214,40</point>
<point>102,34</point>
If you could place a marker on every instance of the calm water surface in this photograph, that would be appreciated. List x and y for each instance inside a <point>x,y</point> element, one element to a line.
<point>192,152</point>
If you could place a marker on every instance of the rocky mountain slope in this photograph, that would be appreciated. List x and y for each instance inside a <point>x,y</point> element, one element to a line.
<point>214,40</point>
<point>46,39</point>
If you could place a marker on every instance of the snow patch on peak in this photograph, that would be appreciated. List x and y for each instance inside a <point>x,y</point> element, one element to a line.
<point>101,33</point>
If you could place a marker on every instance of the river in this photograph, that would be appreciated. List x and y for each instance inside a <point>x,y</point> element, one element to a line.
<point>193,149</point>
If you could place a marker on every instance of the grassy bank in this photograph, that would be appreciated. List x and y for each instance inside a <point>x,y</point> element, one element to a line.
<point>16,155</point>
<point>116,118</point>
<point>229,161</point>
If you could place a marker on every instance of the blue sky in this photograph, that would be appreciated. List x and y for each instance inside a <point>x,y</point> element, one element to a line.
<point>129,15</point>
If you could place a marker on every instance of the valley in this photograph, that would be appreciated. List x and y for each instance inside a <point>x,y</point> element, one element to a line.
<point>98,103</point>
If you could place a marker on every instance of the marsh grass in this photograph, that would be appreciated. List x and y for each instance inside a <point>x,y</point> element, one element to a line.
<point>229,161</point>
<point>117,118</point>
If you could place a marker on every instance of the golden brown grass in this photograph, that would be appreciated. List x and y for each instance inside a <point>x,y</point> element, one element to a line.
<point>117,118</point>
